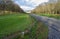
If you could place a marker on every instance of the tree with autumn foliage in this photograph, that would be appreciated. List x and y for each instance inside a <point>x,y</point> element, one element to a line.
<point>50,8</point>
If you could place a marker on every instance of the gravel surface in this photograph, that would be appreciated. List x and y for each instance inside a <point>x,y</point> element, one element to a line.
<point>53,25</point>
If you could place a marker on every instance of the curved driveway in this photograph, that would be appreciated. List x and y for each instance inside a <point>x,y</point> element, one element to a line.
<point>53,25</point>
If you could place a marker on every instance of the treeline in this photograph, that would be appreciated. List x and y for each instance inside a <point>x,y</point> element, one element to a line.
<point>9,5</point>
<point>50,8</point>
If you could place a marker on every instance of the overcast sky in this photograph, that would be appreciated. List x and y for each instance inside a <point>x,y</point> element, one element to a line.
<point>29,4</point>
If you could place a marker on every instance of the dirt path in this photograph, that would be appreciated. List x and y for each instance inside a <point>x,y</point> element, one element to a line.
<point>53,25</point>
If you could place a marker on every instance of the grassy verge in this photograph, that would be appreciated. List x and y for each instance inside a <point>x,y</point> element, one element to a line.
<point>38,31</point>
<point>57,16</point>
<point>13,23</point>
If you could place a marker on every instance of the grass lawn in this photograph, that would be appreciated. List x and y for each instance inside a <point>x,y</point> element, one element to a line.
<point>57,16</point>
<point>13,23</point>
<point>19,22</point>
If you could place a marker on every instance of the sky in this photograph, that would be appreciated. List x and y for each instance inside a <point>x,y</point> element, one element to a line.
<point>29,4</point>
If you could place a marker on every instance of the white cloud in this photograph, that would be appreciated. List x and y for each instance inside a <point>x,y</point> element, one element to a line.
<point>27,0</point>
<point>30,4</point>
<point>26,8</point>
<point>36,2</point>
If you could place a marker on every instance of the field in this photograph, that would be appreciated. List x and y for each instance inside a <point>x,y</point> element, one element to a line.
<point>13,23</point>
<point>19,22</point>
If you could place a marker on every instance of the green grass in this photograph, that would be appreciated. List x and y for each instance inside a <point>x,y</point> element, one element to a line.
<point>13,23</point>
<point>38,31</point>
<point>57,16</point>
<point>19,22</point>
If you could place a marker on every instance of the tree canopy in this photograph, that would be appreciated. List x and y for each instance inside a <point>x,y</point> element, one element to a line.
<point>9,5</point>
<point>47,7</point>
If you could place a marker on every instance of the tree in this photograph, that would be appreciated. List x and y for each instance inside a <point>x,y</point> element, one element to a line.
<point>49,8</point>
<point>57,7</point>
<point>9,5</point>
